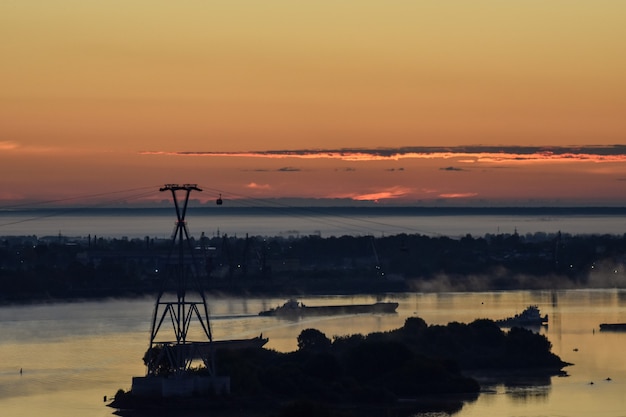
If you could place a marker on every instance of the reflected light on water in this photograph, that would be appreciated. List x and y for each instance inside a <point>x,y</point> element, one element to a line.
<point>73,354</point>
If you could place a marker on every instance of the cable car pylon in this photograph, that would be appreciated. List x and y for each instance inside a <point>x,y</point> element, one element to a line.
<point>181,305</point>
<point>188,306</point>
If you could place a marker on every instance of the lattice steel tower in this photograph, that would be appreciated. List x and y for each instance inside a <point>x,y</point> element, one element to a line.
<point>180,303</point>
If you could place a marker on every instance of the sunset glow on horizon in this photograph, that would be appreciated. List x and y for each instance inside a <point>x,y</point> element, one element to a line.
<point>479,102</point>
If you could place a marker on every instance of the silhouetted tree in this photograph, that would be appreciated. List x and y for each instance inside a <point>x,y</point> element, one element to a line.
<point>313,340</point>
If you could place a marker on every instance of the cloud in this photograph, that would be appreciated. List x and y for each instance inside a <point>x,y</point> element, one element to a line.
<point>458,195</point>
<point>395,192</point>
<point>28,149</point>
<point>382,195</point>
<point>283,169</point>
<point>465,154</point>
<point>6,145</point>
<point>255,186</point>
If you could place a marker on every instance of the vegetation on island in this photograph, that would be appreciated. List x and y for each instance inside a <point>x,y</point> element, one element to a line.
<point>413,368</point>
<point>59,267</point>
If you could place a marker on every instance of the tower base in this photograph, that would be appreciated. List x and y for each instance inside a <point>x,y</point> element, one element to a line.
<point>180,386</point>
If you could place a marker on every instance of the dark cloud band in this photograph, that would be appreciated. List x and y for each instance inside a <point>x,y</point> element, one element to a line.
<point>484,153</point>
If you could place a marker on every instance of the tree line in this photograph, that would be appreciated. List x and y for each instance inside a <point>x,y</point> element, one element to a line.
<point>59,267</point>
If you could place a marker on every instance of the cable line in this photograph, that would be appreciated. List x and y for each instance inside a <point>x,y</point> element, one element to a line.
<point>60,212</point>
<point>311,213</point>
<point>323,216</point>
<point>79,197</point>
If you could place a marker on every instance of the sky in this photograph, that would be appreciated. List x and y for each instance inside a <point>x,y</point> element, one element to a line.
<point>395,102</point>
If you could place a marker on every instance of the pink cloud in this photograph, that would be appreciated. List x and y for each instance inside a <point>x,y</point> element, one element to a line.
<point>255,186</point>
<point>390,193</point>
<point>458,195</point>
<point>6,145</point>
<point>11,146</point>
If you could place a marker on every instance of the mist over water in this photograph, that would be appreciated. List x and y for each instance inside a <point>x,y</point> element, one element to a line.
<point>139,223</point>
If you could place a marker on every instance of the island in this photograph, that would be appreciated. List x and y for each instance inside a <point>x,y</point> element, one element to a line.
<point>415,368</point>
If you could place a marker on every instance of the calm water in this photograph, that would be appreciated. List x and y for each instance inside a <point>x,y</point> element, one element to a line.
<point>305,221</point>
<point>73,354</point>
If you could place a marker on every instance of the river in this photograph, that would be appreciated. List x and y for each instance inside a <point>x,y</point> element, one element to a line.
<point>72,355</point>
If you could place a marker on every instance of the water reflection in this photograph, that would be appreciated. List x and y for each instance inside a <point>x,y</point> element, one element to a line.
<point>74,353</point>
<point>528,393</point>
<point>520,388</point>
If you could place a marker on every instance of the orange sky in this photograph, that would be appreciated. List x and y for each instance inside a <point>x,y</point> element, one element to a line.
<point>99,96</point>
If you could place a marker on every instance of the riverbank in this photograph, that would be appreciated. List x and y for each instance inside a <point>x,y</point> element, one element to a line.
<point>31,269</point>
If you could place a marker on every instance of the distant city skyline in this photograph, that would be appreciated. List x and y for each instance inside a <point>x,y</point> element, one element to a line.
<point>427,103</point>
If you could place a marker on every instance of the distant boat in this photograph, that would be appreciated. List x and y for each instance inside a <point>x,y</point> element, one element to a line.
<point>613,327</point>
<point>529,317</point>
<point>294,308</point>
